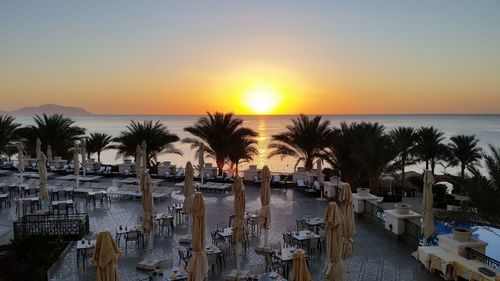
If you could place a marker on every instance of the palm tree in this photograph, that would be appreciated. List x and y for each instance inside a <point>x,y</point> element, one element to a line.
<point>97,142</point>
<point>218,132</point>
<point>363,150</point>
<point>158,138</point>
<point>55,130</point>
<point>492,165</point>
<point>8,129</point>
<point>306,140</point>
<point>430,148</point>
<point>464,152</point>
<point>405,141</point>
<point>242,150</point>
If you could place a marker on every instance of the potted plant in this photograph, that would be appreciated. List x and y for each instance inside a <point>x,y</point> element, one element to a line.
<point>462,234</point>
<point>402,208</point>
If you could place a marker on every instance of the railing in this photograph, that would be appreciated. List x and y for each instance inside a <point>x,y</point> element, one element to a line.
<point>71,227</point>
<point>374,212</point>
<point>472,254</point>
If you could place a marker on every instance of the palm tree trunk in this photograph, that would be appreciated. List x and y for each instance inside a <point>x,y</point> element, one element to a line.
<point>462,170</point>
<point>220,166</point>
<point>427,164</point>
<point>98,156</point>
<point>433,165</point>
<point>308,164</point>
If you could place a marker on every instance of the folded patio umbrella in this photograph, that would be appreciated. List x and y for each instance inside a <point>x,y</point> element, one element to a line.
<point>239,218</point>
<point>20,157</point>
<point>138,160</point>
<point>49,153</point>
<point>76,163</point>
<point>106,254</point>
<point>265,210</point>
<point>198,266</point>
<point>147,201</point>
<point>38,147</point>
<point>201,161</point>
<point>333,222</point>
<point>42,173</point>
<point>84,156</point>
<point>428,214</point>
<point>300,272</point>
<point>188,187</point>
<point>348,223</point>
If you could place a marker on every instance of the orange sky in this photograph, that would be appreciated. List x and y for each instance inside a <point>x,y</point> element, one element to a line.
<point>186,58</point>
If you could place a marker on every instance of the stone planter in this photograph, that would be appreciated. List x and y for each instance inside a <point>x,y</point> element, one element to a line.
<point>462,234</point>
<point>363,191</point>
<point>402,209</point>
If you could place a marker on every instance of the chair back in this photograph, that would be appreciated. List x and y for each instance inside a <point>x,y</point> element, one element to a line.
<point>256,269</point>
<point>132,235</point>
<point>212,260</point>
<point>164,264</point>
<point>313,243</point>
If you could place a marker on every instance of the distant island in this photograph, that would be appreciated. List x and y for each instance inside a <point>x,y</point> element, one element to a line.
<point>50,109</point>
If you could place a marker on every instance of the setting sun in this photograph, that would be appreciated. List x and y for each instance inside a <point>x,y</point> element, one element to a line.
<point>261,99</point>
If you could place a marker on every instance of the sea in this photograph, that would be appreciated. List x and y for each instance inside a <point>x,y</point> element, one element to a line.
<point>485,127</point>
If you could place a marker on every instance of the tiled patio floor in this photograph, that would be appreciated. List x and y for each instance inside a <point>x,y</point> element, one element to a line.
<point>377,256</point>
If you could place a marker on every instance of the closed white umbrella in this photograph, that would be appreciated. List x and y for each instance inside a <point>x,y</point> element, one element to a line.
<point>49,153</point>
<point>147,204</point>
<point>42,174</point>
<point>84,157</point>
<point>265,210</point>
<point>38,147</point>
<point>144,154</point>
<point>20,160</point>
<point>319,171</point>
<point>428,214</point>
<point>76,164</point>
<point>138,160</point>
<point>201,162</point>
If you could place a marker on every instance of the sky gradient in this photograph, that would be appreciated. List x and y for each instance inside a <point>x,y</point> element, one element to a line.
<point>187,57</point>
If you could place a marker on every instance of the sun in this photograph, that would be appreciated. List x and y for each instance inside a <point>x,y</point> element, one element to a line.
<point>261,99</point>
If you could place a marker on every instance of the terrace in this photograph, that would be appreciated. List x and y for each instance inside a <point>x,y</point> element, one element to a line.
<point>378,256</point>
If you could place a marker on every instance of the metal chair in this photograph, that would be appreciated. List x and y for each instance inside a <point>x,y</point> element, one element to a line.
<point>132,236</point>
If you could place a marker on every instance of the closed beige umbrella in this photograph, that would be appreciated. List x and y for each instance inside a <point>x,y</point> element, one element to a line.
<point>198,267</point>
<point>144,155</point>
<point>76,162</point>
<point>42,173</point>
<point>333,226</point>
<point>239,218</point>
<point>106,255</point>
<point>300,272</point>
<point>265,210</point>
<point>348,223</point>
<point>138,160</point>
<point>20,159</point>
<point>201,162</point>
<point>188,188</point>
<point>147,202</point>
<point>38,147</point>
<point>428,214</point>
<point>49,153</point>
<point>84,157</point>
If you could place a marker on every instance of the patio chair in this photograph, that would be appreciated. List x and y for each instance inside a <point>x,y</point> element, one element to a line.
<point>313,247</point>
<point>213,264</point>
<point>273,264</point>
<point>62,206</point>
<point>223,249</point>
<point>132,236</point>
<point>161,266</point>
<point>256,270</point>
<point>301,225</point>
<point>183,258</point>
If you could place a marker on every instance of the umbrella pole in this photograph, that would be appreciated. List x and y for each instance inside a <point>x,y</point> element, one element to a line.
<point>238,256</point>
<point>202,174</point>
